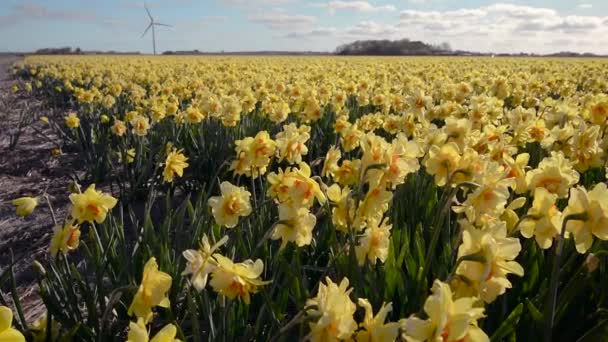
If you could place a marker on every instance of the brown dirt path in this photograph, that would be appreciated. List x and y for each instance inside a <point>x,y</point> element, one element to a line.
<point>28,170</point>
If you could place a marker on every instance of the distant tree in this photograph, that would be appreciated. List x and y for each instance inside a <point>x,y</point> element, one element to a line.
<point>388,47</point>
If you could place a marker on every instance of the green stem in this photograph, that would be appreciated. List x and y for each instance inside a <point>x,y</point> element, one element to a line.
<point>445,200</point>
<point>15,295</point>
<point>515,228</point>
<point>552,296</point>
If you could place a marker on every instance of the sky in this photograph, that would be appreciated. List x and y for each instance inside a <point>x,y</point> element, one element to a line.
<point>534,26</point>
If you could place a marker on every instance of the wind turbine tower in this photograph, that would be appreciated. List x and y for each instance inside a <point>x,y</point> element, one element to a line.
<point>152,25</point>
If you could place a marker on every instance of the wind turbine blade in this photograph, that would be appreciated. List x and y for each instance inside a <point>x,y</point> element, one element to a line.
<point>159,24</point>
<point>148,11</point>
<point>147,29</point>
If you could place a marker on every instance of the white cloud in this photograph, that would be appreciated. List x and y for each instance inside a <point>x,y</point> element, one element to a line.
<point>585,6</point>
<point>500,27</point>
<point>354,5</point>
<point>254,3</point>
<point>321,32</point>
<point>279,20</point>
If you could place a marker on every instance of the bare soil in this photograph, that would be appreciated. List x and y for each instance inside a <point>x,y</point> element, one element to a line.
<point>29,169</point>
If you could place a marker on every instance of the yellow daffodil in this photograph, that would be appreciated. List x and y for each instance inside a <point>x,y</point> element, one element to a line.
<point>25,205</point>
<point>372,208</point>
<point>374,243</point>
<point>65,239</point>
<point>343,209</point>
<point>152,292</point>
<point>448,319</point>
<point>295,225</point>
<point>140,125</point>
<point>119,128</point>
<point>291,143</point>
<point>348,172</point>
<point>201,262</point>
<point>40,326</point>
<point>7,332</point>
<point>174,165</point>
<point>139,333</point>
<point>594,205</point>
<point>555,174</point>
<point>72,121</point>
<point>333,311</point>
<point>517,170</point>
<point>237,279</point>
<point>545,220</point>
<point>442,162</point>
<point>92,205</point>
<point>374,327</point>
<point>490,197</point>
<point>232,204</point>
<point>487,275</point>
<point>295,187</point>
<point>330,164</point>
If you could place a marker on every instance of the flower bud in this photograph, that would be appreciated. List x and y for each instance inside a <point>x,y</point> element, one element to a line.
<point>74,187</point>
<point>37,266</point>
<point>592,262</point>
<point>25,205</point>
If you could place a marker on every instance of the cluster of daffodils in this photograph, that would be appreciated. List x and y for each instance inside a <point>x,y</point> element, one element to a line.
<point>228,278</point>
<point>332,313</point>
<point>516,150</point>
<point>91,206</point>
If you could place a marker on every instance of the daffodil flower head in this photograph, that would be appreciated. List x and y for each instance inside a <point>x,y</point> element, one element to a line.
<point>72,121</point>
<point>174,165</point>
<point>200,262</point>
<point>554,173</point>
<point>237,279</point>
<point>343,210</point>
<point>92,205</point>
<point>25,205</point>
<point>374,327</point>
<point>291,143</point>
<point>65,239</point>
<point>330,165</point>
<point>374,243</point>
<point>334,310</point>
<point>295,225</point>
<point>233,203</point>
<point>496,253</point>
<point>39,329</point>
<point>448,319</point>
<point>152,292</point>
<point>118,128</point>
<point>594,206</point>
<point>139,333</point>
<point>442,162</point>
<point>7,332</point>
<point>545,220</point>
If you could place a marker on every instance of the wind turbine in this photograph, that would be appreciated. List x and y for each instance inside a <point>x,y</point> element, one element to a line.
<point>152,25</point>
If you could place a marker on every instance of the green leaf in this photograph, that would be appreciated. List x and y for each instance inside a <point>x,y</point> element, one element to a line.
<point>508,325</point>
<point>597,333</point>
<point>537,316</point>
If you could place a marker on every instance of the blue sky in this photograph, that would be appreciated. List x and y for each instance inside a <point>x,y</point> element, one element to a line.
<point>319,25</point>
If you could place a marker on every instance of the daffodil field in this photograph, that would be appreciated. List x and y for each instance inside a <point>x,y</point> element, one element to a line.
<point>323,199</point>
